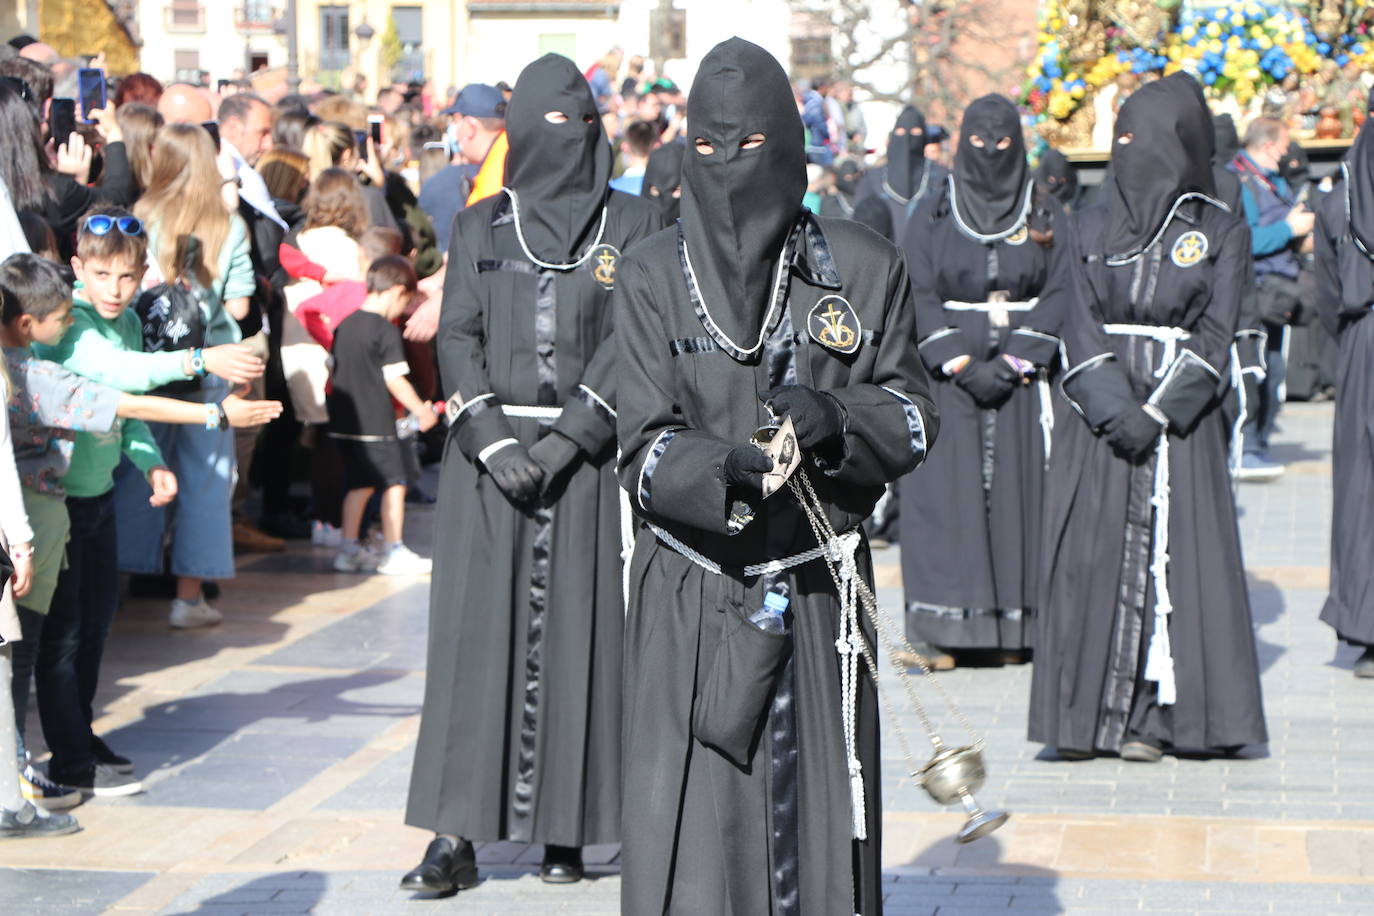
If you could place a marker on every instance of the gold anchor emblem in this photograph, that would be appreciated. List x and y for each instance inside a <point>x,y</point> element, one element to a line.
<point>603,271</point>
<point>1190,248</point>
<point>836,327</point>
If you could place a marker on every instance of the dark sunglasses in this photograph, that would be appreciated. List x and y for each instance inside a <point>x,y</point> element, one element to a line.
<point>24,89</point>
<point>101,224</point>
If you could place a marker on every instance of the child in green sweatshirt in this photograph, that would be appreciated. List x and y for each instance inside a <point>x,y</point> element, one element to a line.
<point>48,407</point>
<point>105,344</point>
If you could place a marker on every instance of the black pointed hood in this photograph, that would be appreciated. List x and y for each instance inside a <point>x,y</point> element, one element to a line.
<point>558,170</point>
<point>906,152</point>
<point>1169,155</point>
<point>1057,177</point>
<point>663,176</point>
<point>1225,138</point>
<point>991,184</point>
<point>1358,166</point>
<point>739,205</point>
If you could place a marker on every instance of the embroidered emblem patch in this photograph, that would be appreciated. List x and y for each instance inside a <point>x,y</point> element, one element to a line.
<point>1018,237</point>
<point>602,263</point>
<point>833,324</point>
<point>1190,248</point>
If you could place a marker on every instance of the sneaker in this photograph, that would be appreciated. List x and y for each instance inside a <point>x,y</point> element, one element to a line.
<point>99,780</point>
<point>323,534</point>
<point>359,559</point>
<point>30,821</point>
<point>187,615</point>
<point>1256,468</point>
<point>103,754</point>
<point>47,794</point>
<point>248,539</point>
<point>402,561</point>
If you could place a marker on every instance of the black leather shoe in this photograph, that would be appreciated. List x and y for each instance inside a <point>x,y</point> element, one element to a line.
<point>1364,665</point>
<point>562,865</point>
<point>444,869</point>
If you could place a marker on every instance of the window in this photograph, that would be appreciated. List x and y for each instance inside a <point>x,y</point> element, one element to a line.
<point>255,14</point>
<point>187,66</point>
<point>333,38</point>
<point>558,43</point>
<point>185,16</point>
<point>409,23</point>
<point>811,55</point>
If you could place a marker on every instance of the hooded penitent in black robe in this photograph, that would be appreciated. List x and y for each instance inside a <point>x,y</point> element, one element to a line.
<point>663,179</point>
<point>1345,294</point>
<point>520,730</point>
<point>907,177</point>
<point>1055,176</point>
<point>1158,254</point>
<point>742,808</point>
<point>971,513</point>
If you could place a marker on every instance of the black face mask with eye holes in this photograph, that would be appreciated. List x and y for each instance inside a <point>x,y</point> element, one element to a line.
<point>906,152</point>
<point>663,178</point>
<point>741,197</point>
<point>559,161</point>
<point>990,168</point>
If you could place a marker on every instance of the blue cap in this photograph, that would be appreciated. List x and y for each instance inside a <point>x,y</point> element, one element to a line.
<point>775,602</point>
<point>478,100</point>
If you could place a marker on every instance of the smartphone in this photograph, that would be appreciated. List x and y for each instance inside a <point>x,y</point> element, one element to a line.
<point>374,125</point>
<point>61,120</point>
<point>212,127</point>
<point>90,86</point>
<point>360,138</point>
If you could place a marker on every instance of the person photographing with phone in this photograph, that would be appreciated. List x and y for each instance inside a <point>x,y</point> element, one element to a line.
<point>1280,232</point>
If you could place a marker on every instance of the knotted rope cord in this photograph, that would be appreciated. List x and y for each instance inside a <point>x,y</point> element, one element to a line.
<point>841,561</point>
<point>1159,657</point>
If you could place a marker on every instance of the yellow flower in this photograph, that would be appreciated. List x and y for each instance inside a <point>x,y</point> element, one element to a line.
<point>1213,30</point>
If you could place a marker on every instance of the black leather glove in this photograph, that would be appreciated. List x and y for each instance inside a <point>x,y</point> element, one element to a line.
<point>816,416</point>
<point>555,453</point>
<point>745,466</point>
<point>517,474</point>
<point>1132,431</point>
<point>989,387</point>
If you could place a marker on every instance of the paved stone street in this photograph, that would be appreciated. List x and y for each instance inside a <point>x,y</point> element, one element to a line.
<point>277,751</point>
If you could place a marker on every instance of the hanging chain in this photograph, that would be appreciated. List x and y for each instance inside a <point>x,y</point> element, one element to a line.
<point>893,639</point>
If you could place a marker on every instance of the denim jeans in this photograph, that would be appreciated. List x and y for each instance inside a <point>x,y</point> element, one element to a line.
<point>73,641</point>
<point>200,520</point>
<point>1256,432</point>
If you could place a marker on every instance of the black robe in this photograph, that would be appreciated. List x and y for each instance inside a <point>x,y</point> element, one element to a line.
<point>874,184</point>
<point>698,827</point>
<point>1097,595</point>
<point>520,730</point>
<point>971,513</point>
<point>1345,290</point>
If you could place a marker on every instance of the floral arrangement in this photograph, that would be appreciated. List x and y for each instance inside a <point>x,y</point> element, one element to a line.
<point>1238,51</point>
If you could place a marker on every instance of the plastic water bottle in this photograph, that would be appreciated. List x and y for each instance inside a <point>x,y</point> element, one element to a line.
<point>769,617</point>
<point>407,426</point>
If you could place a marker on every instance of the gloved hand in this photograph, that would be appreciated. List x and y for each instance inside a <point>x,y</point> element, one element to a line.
<point>516,473</point>
<point>988,386</point>
<point>816,416</point>
<point>745,466</point>
<point>554,453</point>
<point>1132,431</point>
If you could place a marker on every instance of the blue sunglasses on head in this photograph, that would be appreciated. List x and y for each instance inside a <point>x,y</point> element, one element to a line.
<point>100,224</point>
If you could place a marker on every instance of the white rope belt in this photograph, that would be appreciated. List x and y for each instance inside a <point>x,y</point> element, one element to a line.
<point>1023,306</point>
<point>836,550</point>
<point>1159,659</point>
<point>842,550</point>
<point>533,413</point>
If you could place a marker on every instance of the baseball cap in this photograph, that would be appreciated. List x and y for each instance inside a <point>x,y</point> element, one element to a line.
<point>478,100</point>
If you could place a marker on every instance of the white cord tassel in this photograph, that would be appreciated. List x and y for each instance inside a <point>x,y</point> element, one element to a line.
<point>843,551</point>
<point>1042,386</point>
<point>1159,660</point>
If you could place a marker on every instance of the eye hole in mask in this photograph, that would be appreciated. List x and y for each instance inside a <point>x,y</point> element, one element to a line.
<point>555,117</point>
<point>753,141</point>
<point>1125,139</point>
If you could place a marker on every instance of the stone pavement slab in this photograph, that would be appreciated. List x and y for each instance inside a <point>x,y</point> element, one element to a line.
<point>277,751</point>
